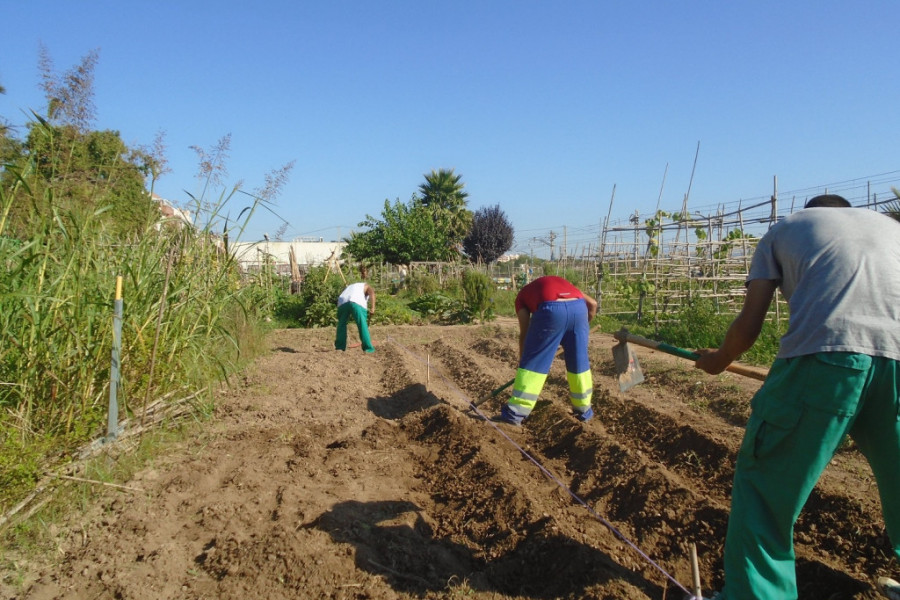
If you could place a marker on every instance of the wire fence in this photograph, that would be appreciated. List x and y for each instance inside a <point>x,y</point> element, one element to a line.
<point>650,266</point>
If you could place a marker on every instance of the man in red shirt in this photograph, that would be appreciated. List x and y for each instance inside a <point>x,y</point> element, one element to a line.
<point>551,311</point>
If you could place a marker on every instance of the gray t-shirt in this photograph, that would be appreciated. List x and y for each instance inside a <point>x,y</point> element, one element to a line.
<point>839,269</point>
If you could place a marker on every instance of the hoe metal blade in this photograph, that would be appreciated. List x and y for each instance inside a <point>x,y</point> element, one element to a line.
<point>628,368</point>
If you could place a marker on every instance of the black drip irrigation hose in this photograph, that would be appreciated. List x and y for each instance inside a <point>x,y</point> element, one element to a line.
<point>474,407</point>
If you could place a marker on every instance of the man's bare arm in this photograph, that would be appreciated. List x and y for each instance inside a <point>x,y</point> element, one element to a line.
<point>744,329</point>
<point>591,306</point>
<point>370,292</point>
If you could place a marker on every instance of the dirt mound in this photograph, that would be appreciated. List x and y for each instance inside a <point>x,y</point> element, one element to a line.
<point>331,474</point>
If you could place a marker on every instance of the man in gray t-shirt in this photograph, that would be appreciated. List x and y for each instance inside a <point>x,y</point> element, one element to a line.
<point>836,373</point>
<point>839,269</point>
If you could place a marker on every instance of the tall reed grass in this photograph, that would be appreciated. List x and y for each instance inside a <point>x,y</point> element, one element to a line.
<point>187,322</point>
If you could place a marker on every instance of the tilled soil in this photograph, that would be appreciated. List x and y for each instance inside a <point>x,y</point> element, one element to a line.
<point>347,475</point>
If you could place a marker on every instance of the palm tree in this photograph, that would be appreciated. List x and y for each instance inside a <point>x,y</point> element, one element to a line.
<point>443,192</point>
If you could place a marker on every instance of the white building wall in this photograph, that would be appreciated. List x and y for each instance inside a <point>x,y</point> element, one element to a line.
<point>312,254</point>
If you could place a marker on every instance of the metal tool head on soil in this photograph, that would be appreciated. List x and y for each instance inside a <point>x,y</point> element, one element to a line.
<point>628,368</point>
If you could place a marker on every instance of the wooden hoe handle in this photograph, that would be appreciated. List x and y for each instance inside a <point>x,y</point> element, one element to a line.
<point>740,369</point>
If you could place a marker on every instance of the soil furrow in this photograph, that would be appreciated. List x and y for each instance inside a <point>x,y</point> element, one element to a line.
<point>345,475</point>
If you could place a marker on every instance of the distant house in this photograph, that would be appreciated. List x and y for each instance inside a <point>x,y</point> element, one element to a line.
<point>309,252</point>
<point>170,215</point>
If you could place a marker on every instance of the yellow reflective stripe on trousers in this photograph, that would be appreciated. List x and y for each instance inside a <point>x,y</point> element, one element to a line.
<point>581,388</point>
<point>527,388</point>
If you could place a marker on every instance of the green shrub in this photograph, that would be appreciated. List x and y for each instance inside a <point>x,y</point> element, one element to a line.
<point>453,288</point>
<point>696,325</point>
<point>392,311</point>
<point>765,349</point>
<point>574,276</point>
<point>440,308</point>
<point>613,323</point>
<point>477,288</point>
<point>318,298</point>
<point>419,283</point>
<point>505,302</point>
<point>287,310</point>
<point>699,325</point>
<point>20,465</point>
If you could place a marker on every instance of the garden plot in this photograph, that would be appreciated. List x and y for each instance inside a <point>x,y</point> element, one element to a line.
<point>344,475</point>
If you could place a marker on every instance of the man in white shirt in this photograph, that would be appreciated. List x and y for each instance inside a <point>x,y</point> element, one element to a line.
<point>353,302</point>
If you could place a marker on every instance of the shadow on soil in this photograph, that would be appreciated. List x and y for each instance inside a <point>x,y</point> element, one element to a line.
<point>393,539</point>
<point>413,398</point>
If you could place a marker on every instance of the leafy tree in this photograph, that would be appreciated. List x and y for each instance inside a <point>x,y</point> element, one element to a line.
<point>72,168</point>
<point>429,227</point>
<point>83,172</point>
<point>490,236</point>
<point>407,232</point>
<point>443,193</point>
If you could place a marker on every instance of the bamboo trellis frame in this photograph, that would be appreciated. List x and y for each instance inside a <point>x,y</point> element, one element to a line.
<point>687,266</point>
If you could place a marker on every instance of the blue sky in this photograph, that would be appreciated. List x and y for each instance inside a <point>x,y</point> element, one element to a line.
<point>542,107</point>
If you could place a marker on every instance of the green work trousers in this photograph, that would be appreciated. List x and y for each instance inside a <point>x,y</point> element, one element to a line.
<point>798,420</point>
<point>359,314</point>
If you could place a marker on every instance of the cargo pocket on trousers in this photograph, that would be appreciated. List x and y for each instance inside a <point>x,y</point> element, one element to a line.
<point>771,436</point>
<point>837,381</point>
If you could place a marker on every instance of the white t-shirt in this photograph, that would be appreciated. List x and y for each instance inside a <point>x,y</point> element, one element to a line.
<point>355,293</point>
<point>839,269</point>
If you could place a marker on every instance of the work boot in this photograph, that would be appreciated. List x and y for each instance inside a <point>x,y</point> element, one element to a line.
<point>584,416</point>
<point>889,588</point>
<point>508,416</point>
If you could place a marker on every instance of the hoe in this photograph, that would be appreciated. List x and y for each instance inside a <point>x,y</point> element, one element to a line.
<point>628,368</point>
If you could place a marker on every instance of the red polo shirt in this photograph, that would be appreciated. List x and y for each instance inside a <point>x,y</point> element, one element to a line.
<point>545,289</point>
